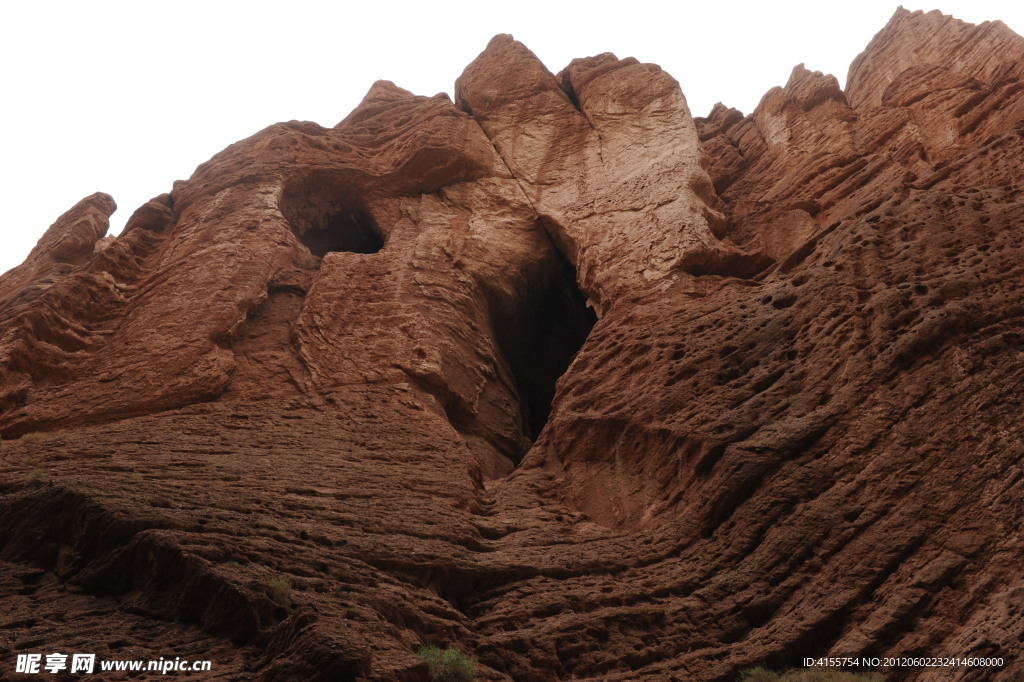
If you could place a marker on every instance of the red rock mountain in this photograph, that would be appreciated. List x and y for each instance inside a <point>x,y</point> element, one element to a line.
<point>554,373</point>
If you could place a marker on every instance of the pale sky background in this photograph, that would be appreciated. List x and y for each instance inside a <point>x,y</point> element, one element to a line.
<point>126,97</point>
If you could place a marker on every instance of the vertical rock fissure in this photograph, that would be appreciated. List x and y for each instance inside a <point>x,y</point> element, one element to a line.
<point>563,323</point>
<point>541,346</point>
<point>266,364</point>
<point>542,350</point>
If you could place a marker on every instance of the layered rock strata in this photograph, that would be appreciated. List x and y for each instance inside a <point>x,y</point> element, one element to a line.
<point>556,374</point>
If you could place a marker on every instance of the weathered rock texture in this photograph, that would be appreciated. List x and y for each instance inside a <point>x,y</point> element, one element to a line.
<point>794,430</point>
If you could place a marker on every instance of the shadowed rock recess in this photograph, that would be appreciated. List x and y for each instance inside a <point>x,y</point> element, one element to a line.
<point>555,374</point>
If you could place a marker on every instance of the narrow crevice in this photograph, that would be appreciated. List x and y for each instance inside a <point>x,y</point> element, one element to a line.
<point>266,364</point>
<point>563,323</point>
<point>540,340</point>
<point>541,344</point>
<point>565,83</point>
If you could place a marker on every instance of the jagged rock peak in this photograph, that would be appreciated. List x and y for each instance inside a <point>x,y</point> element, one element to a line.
<point>608,155</point>
<point>68,243</point>
<point>919,39</point>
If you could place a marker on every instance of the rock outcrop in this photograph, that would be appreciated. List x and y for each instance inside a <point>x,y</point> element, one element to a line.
<point>555,373</point>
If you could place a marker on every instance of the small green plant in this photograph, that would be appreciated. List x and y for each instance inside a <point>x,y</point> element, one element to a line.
<point>280,590</point>
<point>308,262</point>
<point>448,665</point>
<point>235,564</point>
<point>30,437</point>
<point>35,473</point>
<point>763,674</point>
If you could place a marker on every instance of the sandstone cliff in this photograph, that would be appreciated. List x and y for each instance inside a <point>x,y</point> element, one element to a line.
<point>554,373</point>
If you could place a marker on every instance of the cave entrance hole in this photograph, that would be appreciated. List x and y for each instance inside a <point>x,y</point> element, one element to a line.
<point>326,217</point>
<point>541,350</point>
<point>352,231</point>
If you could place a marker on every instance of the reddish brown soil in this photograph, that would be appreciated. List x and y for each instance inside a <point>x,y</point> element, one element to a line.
<point>328,357</point>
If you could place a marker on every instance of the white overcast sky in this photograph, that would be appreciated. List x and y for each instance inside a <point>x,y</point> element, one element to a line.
<point>126,97</point>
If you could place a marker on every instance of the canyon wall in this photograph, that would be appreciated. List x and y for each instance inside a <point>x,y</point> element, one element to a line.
<point>554,373</point>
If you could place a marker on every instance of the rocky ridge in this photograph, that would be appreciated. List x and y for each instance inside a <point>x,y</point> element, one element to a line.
<point>554,373</point>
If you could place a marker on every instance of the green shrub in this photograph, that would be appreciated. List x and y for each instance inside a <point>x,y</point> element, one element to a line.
<point>280,590</point>
<point>448,665</point>
<point>36,473</point>
<point>308,262</point>
<point>30,437</point>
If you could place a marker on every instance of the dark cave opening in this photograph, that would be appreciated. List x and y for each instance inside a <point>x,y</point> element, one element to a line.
<point>326,215</point>
<point>555,331</point>
<point>352,231</point>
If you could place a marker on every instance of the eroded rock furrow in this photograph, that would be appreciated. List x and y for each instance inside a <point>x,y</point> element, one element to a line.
<point>555,373</point>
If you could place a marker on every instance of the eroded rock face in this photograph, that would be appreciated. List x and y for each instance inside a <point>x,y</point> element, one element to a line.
<point>792,426</point>
<point>608,155</point>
